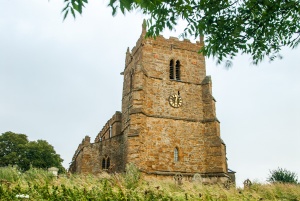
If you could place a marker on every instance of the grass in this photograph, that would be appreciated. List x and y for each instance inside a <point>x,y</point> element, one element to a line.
<point>40,185</point>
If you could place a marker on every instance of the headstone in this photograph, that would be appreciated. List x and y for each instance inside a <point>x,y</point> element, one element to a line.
<point>197,178</point>
<point>178,179</point>
<point>54,171</point>
<point>227,184</point>
<point>247,183</point>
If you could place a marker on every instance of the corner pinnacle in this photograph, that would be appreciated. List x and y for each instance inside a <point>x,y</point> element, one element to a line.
<point>144,26</point>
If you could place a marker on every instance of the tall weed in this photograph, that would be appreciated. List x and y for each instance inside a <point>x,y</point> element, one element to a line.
<point>38,175</point>
<point>9,174</point>
<point>132,176</point>
<point>130,186</point>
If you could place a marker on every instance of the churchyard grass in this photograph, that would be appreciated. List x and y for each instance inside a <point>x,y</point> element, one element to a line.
<point>38,184</point>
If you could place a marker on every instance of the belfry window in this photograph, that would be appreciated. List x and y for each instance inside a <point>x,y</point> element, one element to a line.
<point>174,70</point>
<point>177,71</point>
<point>176,155</point>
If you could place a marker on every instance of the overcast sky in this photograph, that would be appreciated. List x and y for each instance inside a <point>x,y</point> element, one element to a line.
<point>60,81</point>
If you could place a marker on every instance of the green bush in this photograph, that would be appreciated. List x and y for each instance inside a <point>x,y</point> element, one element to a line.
<point>282,176</point>
<point>9,174</point>
<point>38,175</point>
<point>132,176</point>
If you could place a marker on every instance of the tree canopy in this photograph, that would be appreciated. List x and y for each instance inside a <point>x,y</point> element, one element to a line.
<point>15,149</point>
<point>259,28</point>
<point>282,176</point>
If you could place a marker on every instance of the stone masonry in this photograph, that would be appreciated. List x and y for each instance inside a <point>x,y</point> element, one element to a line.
<point>160,139</point>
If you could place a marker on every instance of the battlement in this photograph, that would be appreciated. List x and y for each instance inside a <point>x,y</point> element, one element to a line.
<point>111,128</point>
<point>85,142</point>
<point>170,43</point>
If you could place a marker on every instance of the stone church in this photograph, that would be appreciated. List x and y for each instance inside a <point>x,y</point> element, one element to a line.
<point>168,123</point>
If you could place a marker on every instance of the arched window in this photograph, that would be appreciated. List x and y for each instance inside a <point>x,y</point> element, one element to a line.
<point>172,69</point>
<point>107,163</point>
<point>177,70</point>
<point>103,163</point>
<point>176,154</point>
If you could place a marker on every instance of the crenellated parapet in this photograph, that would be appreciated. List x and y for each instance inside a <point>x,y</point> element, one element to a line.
<point>86,141</point>
<point>172,43</point>
<point>111,128</point>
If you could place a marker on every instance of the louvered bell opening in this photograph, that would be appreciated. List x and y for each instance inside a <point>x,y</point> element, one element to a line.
<point>177,70</point>
<point>172,70</point>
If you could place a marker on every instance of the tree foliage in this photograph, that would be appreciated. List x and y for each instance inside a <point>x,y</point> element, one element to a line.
<point>15,149</point>
<point>260,28</point>
<point>12,146</point>
<point>282,176</point>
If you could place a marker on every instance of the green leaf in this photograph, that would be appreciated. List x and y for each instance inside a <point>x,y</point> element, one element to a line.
<point>67,6</point>
<point>66,14</point>
<point>73,13</point>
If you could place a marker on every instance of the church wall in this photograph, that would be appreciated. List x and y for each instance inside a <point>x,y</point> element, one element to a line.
<point>113,149</point>
<point>153,148</point>
<point>154,127</point>
<point>163,136</point>
<point>158,52</point>
<point>149,129</point>
<point>113,125</point>
<point>157,99</point>
<point>88,157</point>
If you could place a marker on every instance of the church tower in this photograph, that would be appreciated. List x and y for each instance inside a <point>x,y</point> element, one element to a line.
<point>168,123</point>
<point>168,112</point>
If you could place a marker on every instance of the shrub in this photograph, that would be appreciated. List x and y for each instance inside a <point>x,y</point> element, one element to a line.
<point>283,176</point>
<point>36,174</point>
<point>132,176</point>
<point>10,174</point>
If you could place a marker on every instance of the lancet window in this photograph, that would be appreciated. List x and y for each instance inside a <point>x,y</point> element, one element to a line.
<point>174,70</point>
<point>105,163</point>
<point>176,154</point>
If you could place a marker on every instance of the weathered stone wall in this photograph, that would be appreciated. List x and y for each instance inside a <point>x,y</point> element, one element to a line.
<point>111,128</point>
<point>88,157</point>
<point>152,128</point>
<point>149,129</point>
